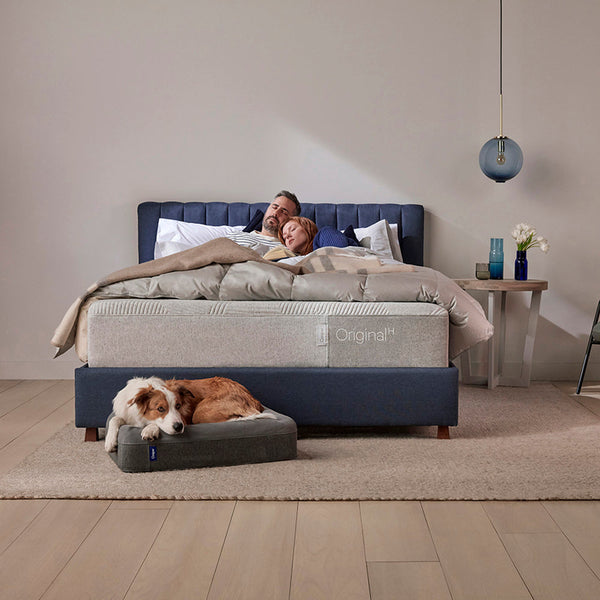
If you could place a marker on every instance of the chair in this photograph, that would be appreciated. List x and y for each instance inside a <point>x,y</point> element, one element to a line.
<point>594,339</point>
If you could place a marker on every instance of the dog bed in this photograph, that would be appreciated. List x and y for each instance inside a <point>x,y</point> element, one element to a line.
<point>208,445</point>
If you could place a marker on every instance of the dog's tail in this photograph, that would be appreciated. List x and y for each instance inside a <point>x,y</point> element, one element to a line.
<point>262,415</point>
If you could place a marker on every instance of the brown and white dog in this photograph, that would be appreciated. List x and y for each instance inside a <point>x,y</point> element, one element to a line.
<point>155,405</point>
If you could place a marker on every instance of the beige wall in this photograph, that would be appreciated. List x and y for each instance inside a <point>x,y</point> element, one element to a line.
<point>107,103</point>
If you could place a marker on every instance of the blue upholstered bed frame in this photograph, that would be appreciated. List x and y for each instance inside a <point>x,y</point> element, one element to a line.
<point>311,396</point>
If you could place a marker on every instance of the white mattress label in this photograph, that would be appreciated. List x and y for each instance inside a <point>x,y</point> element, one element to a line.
<point>322,334</point>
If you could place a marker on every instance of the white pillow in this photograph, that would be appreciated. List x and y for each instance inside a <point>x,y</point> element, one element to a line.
<point>174,236</point>
<point>379,238</point>
<point>395,242</point>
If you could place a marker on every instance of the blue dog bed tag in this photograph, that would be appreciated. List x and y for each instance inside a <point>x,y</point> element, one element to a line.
<point>153,453</point>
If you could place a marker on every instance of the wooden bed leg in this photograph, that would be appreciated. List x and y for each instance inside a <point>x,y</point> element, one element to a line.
<point>443,432</point>
<point>91,434</point>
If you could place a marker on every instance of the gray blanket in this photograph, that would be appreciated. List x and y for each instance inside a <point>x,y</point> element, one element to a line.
<point>221,270</point>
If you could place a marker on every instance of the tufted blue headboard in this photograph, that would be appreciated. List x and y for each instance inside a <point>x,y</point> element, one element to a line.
<point>410,219</point>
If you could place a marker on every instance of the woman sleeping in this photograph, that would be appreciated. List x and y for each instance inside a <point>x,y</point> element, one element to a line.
<point>296,237</point>
<point>299,236</point>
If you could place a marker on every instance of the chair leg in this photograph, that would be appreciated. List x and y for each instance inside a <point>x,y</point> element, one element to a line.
<point>584,366</point>
<point>589,347</point>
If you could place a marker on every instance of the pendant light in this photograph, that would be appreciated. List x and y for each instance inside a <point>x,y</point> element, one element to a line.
<point>500,158</point>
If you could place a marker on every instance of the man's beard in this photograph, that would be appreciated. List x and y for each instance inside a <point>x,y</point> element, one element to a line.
<point>269,226</point>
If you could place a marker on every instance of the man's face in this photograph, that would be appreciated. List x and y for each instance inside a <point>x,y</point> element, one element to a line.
<point>279,211</point>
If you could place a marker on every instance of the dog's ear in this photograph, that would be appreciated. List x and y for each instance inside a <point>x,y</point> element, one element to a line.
<point>142,399</point>
<point>179,389</point>
<point>184,392</point>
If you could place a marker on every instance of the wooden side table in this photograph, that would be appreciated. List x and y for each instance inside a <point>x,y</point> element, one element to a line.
<point>498,289</point>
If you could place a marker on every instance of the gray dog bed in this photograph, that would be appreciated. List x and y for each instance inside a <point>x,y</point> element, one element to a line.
<point>208,445</point>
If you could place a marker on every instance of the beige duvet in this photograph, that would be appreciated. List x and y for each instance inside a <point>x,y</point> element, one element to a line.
<point>222,270</point>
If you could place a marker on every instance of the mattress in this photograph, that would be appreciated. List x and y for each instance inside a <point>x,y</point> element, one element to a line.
<point>207,333</point>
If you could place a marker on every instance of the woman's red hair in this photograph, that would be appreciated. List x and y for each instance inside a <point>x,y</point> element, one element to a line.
<point>309,227</point>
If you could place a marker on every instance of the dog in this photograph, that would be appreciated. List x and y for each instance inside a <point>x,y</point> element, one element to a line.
<point>156,405</point>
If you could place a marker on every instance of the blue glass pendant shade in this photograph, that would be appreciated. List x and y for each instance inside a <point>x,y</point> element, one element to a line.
<point>500,159</point>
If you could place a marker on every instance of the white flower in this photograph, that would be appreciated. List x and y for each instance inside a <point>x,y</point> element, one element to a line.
<point>526,237</point>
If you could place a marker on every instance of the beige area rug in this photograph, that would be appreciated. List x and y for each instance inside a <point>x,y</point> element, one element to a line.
<point>512,443</point>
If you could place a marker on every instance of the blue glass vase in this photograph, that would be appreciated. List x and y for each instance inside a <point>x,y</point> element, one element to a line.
<point>521,265</point>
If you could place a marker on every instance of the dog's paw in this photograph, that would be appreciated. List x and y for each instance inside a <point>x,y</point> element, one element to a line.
<point>150,432</point>
<point>112,434</point>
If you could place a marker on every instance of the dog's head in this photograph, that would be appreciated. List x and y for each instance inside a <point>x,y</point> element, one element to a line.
<point>186,399</point>
<point>158,404</point>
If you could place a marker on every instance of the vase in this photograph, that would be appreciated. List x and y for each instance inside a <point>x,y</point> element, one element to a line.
<point>521,265</point>
<point>496,258</point>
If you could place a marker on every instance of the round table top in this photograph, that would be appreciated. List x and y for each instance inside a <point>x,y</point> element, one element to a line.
<point>503,285</point>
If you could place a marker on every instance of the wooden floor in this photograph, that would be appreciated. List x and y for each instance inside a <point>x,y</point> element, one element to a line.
<point>278,550</point>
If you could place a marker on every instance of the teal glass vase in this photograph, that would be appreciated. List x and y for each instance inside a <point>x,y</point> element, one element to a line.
<point>496,258</point>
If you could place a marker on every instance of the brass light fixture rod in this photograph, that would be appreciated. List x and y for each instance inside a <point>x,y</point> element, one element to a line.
<point>501,101</point>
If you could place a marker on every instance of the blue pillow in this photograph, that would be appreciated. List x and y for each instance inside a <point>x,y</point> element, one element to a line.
<point>255,222</point>
<point>330,236</point>
<point>349,233</point>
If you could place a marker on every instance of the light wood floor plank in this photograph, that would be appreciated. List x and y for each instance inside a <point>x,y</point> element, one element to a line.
<point>106,563</point>
<point>396,531</point>
<point>472,556</point>
<point>5,384</point>
<point>407,581</point>
<point>21,447</point>
<point>29,413</point>
<point>15,395</point>
<point>550,566</point>
<point>256,560</point>
<point>36,557</point>
<point>592,403</point>
<point>589,396</point>
<point>580,522</point>
<point>329,559</point>
<point>15,517</point>
<point>184,557</point>
<point>520,517</point>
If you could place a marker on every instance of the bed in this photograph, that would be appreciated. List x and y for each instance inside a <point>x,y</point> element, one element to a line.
<point>335,386</point>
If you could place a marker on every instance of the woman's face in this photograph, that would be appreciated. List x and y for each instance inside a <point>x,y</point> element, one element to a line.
<point>294,236</point>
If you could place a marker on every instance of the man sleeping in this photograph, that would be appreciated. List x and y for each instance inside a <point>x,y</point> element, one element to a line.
<point>284,206</point>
